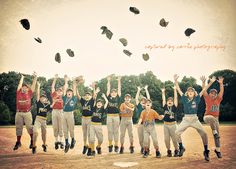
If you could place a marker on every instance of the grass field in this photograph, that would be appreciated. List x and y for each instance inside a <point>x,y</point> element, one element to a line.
<point>193,157</point>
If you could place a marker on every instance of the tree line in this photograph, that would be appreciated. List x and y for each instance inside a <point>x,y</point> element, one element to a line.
<point>9,82</point>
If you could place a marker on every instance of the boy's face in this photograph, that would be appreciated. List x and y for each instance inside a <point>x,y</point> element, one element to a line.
<point>213,94</point>
<point>114,93</point>
<point>143,102</point>
<point>99,104</point>
<point>87,96</point>
<point>148,104</point>
<point>24,89</point>
<point>59,92</point>
<point>69,93</point>
<point>170,102</point>
<point>190,94</point>
<point>127,99</point>
<point>43,99</point>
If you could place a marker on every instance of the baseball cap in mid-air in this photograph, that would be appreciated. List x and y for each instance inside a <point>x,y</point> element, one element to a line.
<point>163,23</point>
<point>145,57</point>
<point>70,52</point>
<point>58,57</point>
<point>128,53</point>
<point>106,31</point>
<point>134,10</point>
<point>38,40</point>
<point>25,23</point>
<point>123,41</point>
<point>189,31</point>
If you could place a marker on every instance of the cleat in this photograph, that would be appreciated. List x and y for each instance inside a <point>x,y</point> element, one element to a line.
<point>57,145</point>
<point>206,155</point>
<point>89,153</point>
<point>99,151</point>
<point>31,144</point>
<point>218,154</point>
<point>116,149</point>
<point>17,145</point>
<point>67,147</point>
<point>131,148</point>
<point>61,145</point>
<point>44,148</point>
<point>169,154</point>
<point>72,144</point>
<point>176,153</point>
<point>110,148</point>
<point>141,151</point>
<point>145,154</point>
<point>181,151</point>
<point>121,150</point>
<point>85,149</point>
<point>33,150</point>
<point>158,154</point>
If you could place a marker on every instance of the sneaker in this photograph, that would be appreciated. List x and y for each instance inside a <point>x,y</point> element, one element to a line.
<point>31,144</point>
<point>33,150</point>
<point>181,151</point>
<point>216,136</point>
<point>89,153</point>
<point>145,154</point>
<point>131,148</point>
<point>85,149</point>
<point>61,145</point>
<point>17,145</point>
<point>72,145</point>
<point>169,154</point>
<point>57,145</point>
<point>141,151</point>
<point>44,148</point>
<point>110,148</point>
<point>148,151</point>
<point>93,154</point>
<point>121,150</point>
<point>218,154</point>
<point>158,154</point>
<point>206,155</point>
<point>99,151</point>
<point>67,147</point>
<point>176,153</point>
<point>116,149</point>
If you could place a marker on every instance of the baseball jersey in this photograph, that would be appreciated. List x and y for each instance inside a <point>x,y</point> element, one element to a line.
<point>87,107</point>
<point>59,103</point>
<point>190,106</point>
<point>43,109</point>
<point>69,103</point>
<point>169,112</point>
<point>23,100</point>
<point>98,114</point>
<point>149,116</point>
<point>212,105</point>
<point>125,112</point>
<point>113,105</point>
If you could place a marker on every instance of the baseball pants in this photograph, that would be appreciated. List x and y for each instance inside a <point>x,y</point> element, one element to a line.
<point>86,122</point>
<point>22,118</point>
<point>68,124</point>
<point>126,123</point>
<point>57,122</point>
<point>150,130</point>
<point>113,122</point>
<point>39,123</point>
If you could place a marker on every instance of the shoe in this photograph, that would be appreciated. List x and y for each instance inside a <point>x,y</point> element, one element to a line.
<point>85,149</point>
<point>44,148</point>
<point>116,149</point>
<point>131,148</point>
<point>89,153</point>
<point>99,151</point>
<point>206,155</point>
<point>33,150</point>
<point>158,154</point>
<point>169,154</point>
<point>148,151</point>
<point>18,144</point>
<point>110,148</point>
<point>216,136</point>
<point>67,147</point>
<point>218,154</point>
<point>181,151</point>
<point>176,153</point>
<point>31,144</point>
<point>145,154</point>
<point>93,154</point>
<point>141,151</point>
<point>72,145</point>
<point>57,145</point>
<point>61,145</point>
<point>121,150</point>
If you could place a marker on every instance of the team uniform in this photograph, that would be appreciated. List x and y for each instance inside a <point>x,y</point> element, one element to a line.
<point>211,117</point>
<point>170,127</point>
<point>41,121</point>
<point>113,121</point>
<point>87,113</point>
<point>23,114</point>
<point>57,119</point>
<point>126,123</point>
<point>96,129</point>
<point>68,120</point>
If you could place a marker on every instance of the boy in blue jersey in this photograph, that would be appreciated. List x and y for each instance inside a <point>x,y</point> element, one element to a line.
<point>190,102</point>
<point>69,105</point>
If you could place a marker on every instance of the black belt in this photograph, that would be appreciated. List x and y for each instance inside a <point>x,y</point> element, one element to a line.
<point>23,111</point>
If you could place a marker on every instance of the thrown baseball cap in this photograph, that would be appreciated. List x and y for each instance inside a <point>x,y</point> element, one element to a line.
<point>25,23</point>
<point>70,52</point>
<point>145,57</point>
<point>163,23</point>
<point>134,10</point>
<point>213,90</point>
<point>128,95</point>
<point>38,40</point>
<point>58,57</point>
<point>123,41</point>
<point>189,31</point>
<point>191,88</point>
<point>106,31</point>
<point>128,53</point>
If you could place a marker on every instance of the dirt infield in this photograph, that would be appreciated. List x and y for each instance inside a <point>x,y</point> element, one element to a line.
<point>193,157</point>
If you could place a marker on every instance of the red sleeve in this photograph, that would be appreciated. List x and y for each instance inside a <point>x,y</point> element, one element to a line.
<point>53,94</point>
<point>219,99</point>
<point>206,97</point>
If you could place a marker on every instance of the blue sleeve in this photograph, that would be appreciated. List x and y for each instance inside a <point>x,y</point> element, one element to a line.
<point>197,99</point>
<point>82,101</point>
<point>64,98</point>
<point>75,99</point>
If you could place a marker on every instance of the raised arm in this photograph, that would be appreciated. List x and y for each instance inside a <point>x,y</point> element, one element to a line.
<point>147,92</point>
<point>212,80</point>
<point>38,91</point>
<point>34,82</point>
<point>80,80</point>
<point>203,79</point>
<point>94,90</point>
<point>177,85</point>
<point>54,83</point>
<point>20,82</point>
<point>163,97</point>
<point>175,97</point>
<point>74,87</point>
<point>137,95</point>
<point>119,85</point>
<point>65,85</point>
<point>106,101</point>
<point>108,85</point>
<point>220,81</point>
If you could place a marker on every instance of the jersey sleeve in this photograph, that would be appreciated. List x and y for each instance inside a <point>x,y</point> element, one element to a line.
<point>122,108</point>
<point>198,99</point>
<point>156,115</point>
<point>30,93</point>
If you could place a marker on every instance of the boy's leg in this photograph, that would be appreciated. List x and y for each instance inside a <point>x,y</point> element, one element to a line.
<point>60,115</point>
<point>173,136</point>
<point>154,140</point>
<point>85,131</point>
<point>146,135</point>
<point>55,124</point>
<point>99,134</point>
<point>122,131</point>
<point>116,123</point>
<point>110,130</point>
<point>19,122</point>
<point>71,125</point>
<point>36,127</point>
<point>131,137</point>
<point>167,136</point>
<point>28,123</point>
<point>140,135</point>
<point>91,140</point>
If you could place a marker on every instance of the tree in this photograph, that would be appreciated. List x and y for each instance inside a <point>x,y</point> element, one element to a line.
<point>5,114</point>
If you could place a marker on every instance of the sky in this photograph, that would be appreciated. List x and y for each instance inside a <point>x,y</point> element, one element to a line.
<point>75,24</point>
